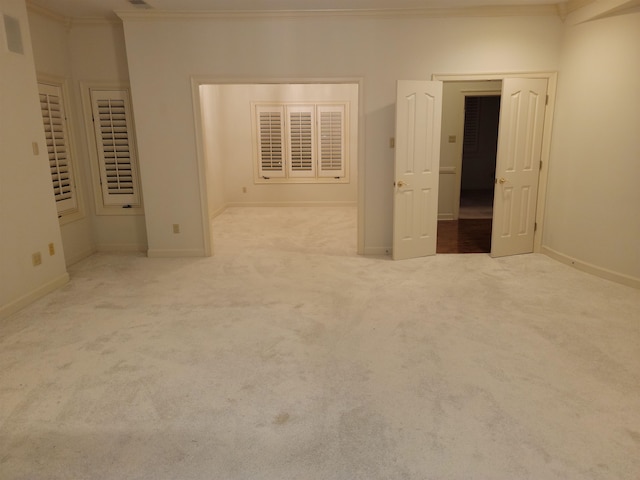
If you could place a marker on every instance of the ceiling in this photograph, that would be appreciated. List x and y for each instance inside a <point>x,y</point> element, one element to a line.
<point>105,8</point>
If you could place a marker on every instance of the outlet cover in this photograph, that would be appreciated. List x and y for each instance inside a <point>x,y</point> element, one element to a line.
<point>176,228</point>
<point>52,249</point>
<point>36,258</point>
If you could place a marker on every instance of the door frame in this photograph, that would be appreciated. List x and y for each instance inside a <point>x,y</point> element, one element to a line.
<point>470,92</point>
<point>552,79</point>
<point>197,81</point>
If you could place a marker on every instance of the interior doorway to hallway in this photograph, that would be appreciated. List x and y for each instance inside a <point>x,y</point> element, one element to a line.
<point>470,232</point>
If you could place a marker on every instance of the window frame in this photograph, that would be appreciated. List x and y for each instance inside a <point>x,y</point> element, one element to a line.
<point>289,174</point>
<point>97,168</point>
<point>77,212</point>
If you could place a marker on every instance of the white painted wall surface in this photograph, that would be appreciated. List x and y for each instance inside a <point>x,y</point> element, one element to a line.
<point>164,53</point>
<point>229,138</point>
<point>593,202</point>
<point>87,53</point>
<point>52,57</point>
<point>28,217</point>
<point>97,54</point>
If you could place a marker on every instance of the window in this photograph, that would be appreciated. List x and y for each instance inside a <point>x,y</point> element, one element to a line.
<point>115,166</point>
<point>57,139</point>
<point>300,143</point>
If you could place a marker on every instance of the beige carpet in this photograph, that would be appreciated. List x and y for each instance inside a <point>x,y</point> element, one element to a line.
<point>287,356</point>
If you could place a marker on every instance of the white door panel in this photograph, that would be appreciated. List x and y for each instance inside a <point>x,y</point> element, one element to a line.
<point>522,113</point>
<point>417,161</point>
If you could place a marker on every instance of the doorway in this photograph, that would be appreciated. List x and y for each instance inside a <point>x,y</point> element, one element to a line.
<point>523,146</point>
<point>227,124</point>
<point>470,232</point>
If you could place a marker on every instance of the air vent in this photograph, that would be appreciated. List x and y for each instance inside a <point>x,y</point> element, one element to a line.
<point>139,3</point>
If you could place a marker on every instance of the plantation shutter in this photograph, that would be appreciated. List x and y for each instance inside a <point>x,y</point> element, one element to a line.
<point>55,130</point>
<point>300,129</point>
<point>331,141</point>
<point>471,124</point>
<point>116,152</point>
<point>270,128</point>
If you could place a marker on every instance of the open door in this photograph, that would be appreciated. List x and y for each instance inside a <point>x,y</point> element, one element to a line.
<point>417,168</point>
<point>522,113</point>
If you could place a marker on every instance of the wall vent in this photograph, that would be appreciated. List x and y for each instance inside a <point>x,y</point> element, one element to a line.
<point>13,34</point>
<point>139,3</point>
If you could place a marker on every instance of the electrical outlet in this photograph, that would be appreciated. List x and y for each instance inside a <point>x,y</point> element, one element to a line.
<point>244,189</point>
<point>36,258</point>
<point>392,142</point>
<point>452,139</point>
<point>36,148</point>
<point>52,249</point>
<point>176,228</point>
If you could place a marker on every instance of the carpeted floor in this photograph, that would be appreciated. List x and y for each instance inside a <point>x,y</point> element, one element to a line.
<point>287,356</point>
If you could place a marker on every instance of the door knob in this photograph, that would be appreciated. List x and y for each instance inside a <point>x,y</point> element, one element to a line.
<point>501,180</point>
<point>402,184</point>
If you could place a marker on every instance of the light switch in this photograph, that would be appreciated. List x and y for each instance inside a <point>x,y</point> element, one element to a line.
<point>452,139</point>
<point>36,148</point>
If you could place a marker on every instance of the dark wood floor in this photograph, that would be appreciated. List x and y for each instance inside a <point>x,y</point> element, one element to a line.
<point>464,236</point>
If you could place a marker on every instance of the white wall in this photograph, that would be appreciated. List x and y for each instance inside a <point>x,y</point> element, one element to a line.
<point>163,53</point>
<point>593,201</point>
<point>52,57</point>
<point>28,217</point>
<point>229,144</point>
<point>88,53</point>
<point>98,55</point>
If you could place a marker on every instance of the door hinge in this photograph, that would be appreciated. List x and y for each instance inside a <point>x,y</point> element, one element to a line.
<point>535,227</point>
<point>540,164</point>
<point>546,101</point>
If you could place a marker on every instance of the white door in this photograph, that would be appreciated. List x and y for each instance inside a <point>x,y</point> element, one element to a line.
<point>417,165</point>
<point>522,111</point>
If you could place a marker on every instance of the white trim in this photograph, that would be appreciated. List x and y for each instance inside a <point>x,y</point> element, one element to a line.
<point>218,212</point>
<point>79,256</point>
<point>175,253</point>
<point>482,11</point>
<point>585,11</point>
<point>121,248</point>
<point>587,267</point>
<point>21,302</point>
<point>377,251</point>
<point>552,80</point>
<point>87,110</point>
<point>446,216</point>
<point>292,204</point>
<point>76,170</point>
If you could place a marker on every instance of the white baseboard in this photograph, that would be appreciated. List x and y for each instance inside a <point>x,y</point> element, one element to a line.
<point>386,251</point>
<point>445,216</point>
<point>292,204</point>
<point>219,211</point>
<point>175,253</point>
<point>79,256</point>
<point>23,301</point>
<point>592,269</point>
<point>120,248</point>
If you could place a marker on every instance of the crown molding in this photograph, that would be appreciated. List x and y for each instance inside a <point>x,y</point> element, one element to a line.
<point>488,11</point>
<point>45,12</point>
<point>588,10</point>
<point>68,22</point>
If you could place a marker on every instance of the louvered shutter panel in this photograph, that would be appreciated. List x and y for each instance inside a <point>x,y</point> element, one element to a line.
<point>270,128</point>
<point>300,129</point>
<point>471,124</point>
<point>331,141</point>
<point>116,152</point>
<point>55,130</point>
